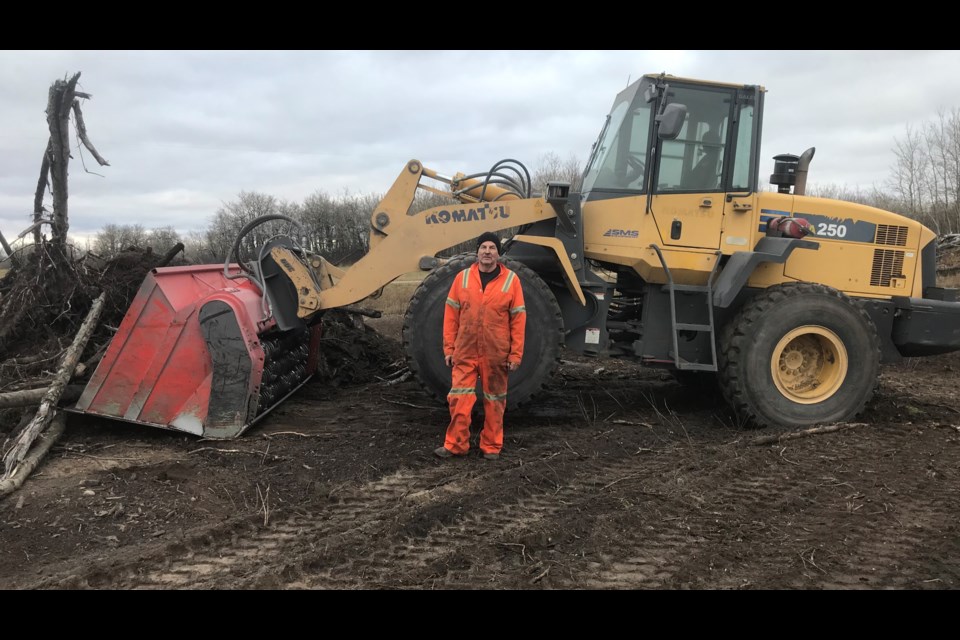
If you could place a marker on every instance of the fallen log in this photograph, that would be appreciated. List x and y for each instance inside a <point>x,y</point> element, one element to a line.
<point>47,440</point>
<point>169,255</point>
<point>30,397</point>
<point>14,457</point>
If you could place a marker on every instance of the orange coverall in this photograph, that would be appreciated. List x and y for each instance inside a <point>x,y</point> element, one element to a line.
<point>482,330</point>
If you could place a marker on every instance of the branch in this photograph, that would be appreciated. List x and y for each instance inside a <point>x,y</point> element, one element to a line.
<point>406,375</point>
<point>542,575</point>
<point>802,434</point>
<point>408,404</point>
<point>6,248</point>
<point>31,359</point>
<point>94,360</point>
<point>42,185</point>
<point>252,453</point>
<point>82,133</point>
<point>35,228</point>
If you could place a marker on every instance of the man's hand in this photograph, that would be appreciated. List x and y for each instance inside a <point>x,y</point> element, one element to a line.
<point>448,360</point>
<point>512,366</point>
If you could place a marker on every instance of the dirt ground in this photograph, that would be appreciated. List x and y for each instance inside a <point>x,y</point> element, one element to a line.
<point>617,477</point>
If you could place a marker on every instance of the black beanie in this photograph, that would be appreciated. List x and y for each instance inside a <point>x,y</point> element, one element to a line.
<point>489,236</point>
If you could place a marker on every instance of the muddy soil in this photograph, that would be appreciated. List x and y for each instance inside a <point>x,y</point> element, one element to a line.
<point>616,478</point>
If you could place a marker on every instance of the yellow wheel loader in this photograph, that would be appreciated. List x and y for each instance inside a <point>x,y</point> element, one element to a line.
<point>668,255</point>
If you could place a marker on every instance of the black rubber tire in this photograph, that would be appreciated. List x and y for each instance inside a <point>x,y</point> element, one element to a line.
<point>748,341</point>
<point>423,331</point>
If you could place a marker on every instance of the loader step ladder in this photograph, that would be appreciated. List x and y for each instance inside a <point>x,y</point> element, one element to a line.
<point>704,291</point>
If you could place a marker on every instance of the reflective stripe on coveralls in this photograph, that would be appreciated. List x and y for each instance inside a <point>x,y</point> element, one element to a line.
<point>483,329</point>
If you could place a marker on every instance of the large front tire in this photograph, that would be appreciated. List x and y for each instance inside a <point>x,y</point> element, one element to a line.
<point>423,331</point>
<point>799,354</point>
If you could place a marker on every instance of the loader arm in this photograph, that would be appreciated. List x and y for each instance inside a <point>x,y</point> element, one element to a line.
<point>400,243</point>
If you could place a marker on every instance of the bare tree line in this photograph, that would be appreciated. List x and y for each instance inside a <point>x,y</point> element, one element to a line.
<point>925,178</point>
<point>337,227</point>
<point>114,238</point>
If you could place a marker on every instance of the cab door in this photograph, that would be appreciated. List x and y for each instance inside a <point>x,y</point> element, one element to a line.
<point>740,215</point>
<point>691,177</point>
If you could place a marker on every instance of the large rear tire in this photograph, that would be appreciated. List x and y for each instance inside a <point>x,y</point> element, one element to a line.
<point>423,331</point>
<point>799,354</point>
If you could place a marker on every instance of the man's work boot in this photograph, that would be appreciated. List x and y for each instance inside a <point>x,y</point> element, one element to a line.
<point>442,452</point>
<point>491,456</point>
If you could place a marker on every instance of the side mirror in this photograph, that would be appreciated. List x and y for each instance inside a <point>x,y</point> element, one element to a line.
<point>671,121</point>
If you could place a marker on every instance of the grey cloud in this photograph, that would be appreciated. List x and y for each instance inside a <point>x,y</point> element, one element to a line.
<point>185,131</point>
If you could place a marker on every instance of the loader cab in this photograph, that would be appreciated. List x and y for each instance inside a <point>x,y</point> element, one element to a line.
<point>716,149</point>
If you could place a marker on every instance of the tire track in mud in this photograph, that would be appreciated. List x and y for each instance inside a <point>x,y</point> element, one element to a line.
<point>237,553</point>
<point>741,513</point>
<point>910,537</point>
<point>358,511</point>
<point>907,545</point>
<point>228,554</point>
<point>317,540</point>
<point>244,555</point>
<point>887,556</point>
<point>893,535</point>
<point>404,530</point>
<point>262,557</point>
<point>432,559</point>
<point>323,558</point>
<point>411,556</point>
<point>657,555</point>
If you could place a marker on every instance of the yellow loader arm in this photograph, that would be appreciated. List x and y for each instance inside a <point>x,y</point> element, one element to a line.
<point>401,242</point>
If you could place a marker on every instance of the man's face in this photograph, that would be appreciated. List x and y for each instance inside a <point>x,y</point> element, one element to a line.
<point>487,254</point>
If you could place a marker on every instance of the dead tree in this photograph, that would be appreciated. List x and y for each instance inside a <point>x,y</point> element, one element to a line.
<point>63,99</point>
<point>48,275</point>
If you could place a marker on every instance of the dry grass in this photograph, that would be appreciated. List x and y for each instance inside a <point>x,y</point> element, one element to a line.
<point>951,281</point>
<point>396,295</point>
<point>393,303</point>
<point>388,326</point>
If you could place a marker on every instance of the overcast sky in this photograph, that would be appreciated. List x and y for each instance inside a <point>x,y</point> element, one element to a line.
<point>186,131</point>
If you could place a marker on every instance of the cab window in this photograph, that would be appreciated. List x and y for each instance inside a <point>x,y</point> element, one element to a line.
<point>621,160</point>
<point>693,162</point>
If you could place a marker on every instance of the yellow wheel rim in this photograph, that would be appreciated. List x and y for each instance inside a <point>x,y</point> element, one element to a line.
<point>809,364</point>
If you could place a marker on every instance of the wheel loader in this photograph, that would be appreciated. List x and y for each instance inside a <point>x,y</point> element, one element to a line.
<point>669,254</point>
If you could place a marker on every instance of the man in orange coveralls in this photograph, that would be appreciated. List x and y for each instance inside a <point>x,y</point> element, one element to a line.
<point>483,326</point>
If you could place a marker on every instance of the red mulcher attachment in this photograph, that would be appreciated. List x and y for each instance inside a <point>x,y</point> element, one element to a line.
<point>194,354</point>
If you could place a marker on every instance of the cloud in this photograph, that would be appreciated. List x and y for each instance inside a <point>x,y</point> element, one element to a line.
<point>185,131</point>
